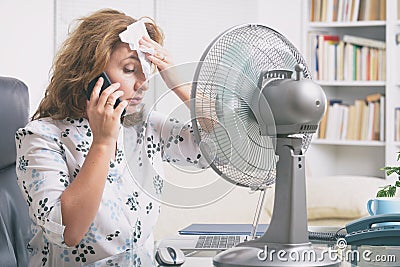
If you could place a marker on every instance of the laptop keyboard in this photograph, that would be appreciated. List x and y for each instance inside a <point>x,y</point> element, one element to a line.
<point>217,241</point>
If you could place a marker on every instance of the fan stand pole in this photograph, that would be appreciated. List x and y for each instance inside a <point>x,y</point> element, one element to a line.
<point>285,243</point>
<point>257,214</point>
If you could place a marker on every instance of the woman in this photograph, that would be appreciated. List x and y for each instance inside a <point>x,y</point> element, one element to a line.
<point>73,168</point>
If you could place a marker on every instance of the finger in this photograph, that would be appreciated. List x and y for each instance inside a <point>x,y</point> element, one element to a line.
<point>148,40</point>
<point>161,64</point>
<point>144,45</point>
<point>96,91</point>
<point>121,106</point>
<point>160,55</point>
<point>111,100</point>
<point>107,92</point>
<point>149,49</point>
<point>151,45</point>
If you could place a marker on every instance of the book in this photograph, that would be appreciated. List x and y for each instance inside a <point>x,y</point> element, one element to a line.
<point>348,62</point>
<point>364,123</point>
<point>364,65</point>
<point>382,118</point>
<point>322,125</point>
<point>335,10</point>
<point>324,53</point>
<point>313,52</point>
<point>330,61</point>
<point>370,126</point>
<point>340,61</point>
<point>397,124</point>
<point>361,11</point>
<point>345,9</point>
<point>382,9</point>
<point>373,97</point>
<point>340,10</point>
<point>358,64</point>
<point>355,60</point>
<point>362,41</point>
<point>318,6</point>
<point>359,107</point>
<point>329,11</point>
<point>345,122</point>
<point>334,118</point>
<point>365,10</point>
<point>312,10</point>
<point>373,101</point>
<point>382,65</point>
<point>398,11</point>
<point>351,125</point>
<point>356,10</point>
<point>373,12</point>
<point>377,121</point>
<point>324,7</point>
<point>368,66</point>
<point>350,10</point>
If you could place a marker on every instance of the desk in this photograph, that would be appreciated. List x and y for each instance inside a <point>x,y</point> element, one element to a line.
<point>368,257</point>
<point>129,259</point>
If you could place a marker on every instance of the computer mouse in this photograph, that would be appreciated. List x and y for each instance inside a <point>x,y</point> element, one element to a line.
<point>169,256</point>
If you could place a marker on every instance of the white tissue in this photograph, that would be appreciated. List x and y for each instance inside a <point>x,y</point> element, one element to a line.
<point>131,36</point>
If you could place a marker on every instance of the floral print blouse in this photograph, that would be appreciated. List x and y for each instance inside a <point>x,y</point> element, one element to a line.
<point>50,154</point>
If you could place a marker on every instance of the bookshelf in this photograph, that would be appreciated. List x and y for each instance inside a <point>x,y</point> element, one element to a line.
<point>377,20</point>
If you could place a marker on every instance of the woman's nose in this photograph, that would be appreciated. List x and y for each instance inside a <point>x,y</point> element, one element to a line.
<point>142,86</point>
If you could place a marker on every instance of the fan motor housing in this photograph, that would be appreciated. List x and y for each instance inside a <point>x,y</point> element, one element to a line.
<point>297,106</point>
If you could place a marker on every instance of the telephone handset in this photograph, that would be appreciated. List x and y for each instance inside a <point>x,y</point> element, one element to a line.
<point>374,230</point>
<point>106,83</point>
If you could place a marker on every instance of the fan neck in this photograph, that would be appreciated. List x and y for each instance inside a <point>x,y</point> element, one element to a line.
<point>289,221</point>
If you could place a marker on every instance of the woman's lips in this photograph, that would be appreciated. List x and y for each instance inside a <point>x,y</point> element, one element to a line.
<point>135,100</point>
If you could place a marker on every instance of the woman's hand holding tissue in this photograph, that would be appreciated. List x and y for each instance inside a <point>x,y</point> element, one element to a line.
<point>162,59</point>
<point>157,54</point>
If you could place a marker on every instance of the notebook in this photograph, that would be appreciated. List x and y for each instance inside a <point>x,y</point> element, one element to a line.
<point>221,229</point>
<point>199,237</point>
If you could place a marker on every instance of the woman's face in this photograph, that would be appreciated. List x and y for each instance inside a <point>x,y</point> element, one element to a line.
<point>124,67</point>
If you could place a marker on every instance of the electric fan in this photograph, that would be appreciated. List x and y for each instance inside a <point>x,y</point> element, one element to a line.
<point>254,111</point>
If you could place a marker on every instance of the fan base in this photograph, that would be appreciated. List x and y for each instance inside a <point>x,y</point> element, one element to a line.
<point>278,255</point>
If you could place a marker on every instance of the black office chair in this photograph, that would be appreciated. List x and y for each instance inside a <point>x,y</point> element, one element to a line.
<point>15,230</point>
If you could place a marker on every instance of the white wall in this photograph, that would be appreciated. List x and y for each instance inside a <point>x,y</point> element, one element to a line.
<point>26,47</point>
<point>26,52</point>
<point>285,16</point>
<point>28,35</point>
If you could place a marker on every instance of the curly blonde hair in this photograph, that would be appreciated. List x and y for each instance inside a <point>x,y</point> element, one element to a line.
<point>83,56</point>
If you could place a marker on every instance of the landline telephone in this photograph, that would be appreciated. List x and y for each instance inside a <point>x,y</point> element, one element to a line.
<point>374,231</point>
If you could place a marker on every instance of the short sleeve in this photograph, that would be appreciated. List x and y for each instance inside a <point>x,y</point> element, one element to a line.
<point>42,177</point>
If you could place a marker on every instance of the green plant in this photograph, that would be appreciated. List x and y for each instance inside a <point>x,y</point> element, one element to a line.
<point>390,190</point>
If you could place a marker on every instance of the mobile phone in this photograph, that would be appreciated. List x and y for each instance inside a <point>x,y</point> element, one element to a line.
<point>106,83</point>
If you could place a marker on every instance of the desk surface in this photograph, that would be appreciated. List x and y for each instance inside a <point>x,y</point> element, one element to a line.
<point>367,257</point>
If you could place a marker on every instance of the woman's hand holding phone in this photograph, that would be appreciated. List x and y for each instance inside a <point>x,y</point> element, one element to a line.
<point>104,119</point>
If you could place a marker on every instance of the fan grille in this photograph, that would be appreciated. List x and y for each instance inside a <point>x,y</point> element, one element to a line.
<point>224,84</point>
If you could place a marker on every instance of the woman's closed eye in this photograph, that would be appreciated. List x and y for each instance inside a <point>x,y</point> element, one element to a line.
<point>129,70</point>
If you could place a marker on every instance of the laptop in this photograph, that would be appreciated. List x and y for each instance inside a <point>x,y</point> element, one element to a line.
<point>203,237</point>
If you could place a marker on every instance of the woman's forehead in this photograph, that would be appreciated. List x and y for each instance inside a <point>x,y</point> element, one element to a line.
<point>122,52</point>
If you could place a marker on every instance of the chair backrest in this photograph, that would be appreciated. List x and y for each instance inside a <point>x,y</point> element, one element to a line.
<point>15,224</point>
